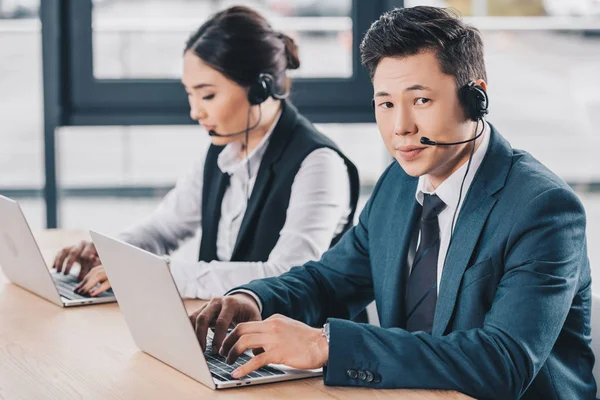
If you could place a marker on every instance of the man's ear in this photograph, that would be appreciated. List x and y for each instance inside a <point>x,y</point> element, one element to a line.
<point>481,82</point>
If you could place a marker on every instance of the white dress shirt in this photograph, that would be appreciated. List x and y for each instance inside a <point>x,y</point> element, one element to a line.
<point>449,192</point>
<point>318,210</point>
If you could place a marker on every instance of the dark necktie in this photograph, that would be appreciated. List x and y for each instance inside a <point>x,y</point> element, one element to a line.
<point>421,293</point>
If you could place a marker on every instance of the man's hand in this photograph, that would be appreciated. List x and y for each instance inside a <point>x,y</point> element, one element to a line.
<point>276,340</point>
<point>223,313</point>
<point>83,253</point>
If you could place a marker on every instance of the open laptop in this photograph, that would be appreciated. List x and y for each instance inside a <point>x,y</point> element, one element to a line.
<point>159,323</point>
<point>24,265</point>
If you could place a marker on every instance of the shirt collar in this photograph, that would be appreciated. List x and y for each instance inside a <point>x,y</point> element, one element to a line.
<point>229,160</point>
<point>449,190</point>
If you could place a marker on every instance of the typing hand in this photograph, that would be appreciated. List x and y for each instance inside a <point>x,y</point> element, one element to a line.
<point>96,276</point>
<point>83,253</point>
<point>222,313</point>
<point>276,340</point>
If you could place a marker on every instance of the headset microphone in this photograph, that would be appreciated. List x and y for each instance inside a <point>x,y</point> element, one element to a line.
<point>428,142</point>
<point>216,134</point>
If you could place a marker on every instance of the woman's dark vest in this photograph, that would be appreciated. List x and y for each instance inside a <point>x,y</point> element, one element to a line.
<point>293,138</point>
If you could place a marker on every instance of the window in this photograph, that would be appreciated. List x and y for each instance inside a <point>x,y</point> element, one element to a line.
<point>144,39</point>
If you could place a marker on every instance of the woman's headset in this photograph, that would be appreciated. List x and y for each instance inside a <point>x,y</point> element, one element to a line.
<point>262,89</point>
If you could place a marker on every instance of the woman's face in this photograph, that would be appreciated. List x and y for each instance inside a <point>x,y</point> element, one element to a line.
<point>216,102</point>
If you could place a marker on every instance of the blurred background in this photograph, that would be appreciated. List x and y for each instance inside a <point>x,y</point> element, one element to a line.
<point>96,138</point>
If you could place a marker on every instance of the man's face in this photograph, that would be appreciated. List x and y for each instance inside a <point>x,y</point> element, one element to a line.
<point>414,98</point>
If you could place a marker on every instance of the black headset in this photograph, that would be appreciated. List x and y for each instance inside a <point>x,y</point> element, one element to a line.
<point>258,92</point>
<point>475,101</point>
<point>261,89</point>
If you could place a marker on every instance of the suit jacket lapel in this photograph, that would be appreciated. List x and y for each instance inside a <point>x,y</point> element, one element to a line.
<point>480,200</point>
<point>474,213</point>
<point>277,143</point>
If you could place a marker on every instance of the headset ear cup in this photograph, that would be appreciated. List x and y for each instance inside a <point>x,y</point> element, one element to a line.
<point>259,91</point>
<point>481,102</point>
<point>475,101</point>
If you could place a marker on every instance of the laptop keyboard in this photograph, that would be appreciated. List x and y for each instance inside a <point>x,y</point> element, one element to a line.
<point>221,371</point>
<point>66,285</point>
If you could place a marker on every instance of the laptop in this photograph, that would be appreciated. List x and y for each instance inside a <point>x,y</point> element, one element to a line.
<point>159,323</point>
<point>23,264</point>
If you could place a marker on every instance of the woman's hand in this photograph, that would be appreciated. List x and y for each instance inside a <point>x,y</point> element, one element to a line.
<point>88,285</point>
<point>83,253</point>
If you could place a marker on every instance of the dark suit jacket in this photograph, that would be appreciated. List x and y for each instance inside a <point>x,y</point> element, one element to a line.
<point>513,311</point>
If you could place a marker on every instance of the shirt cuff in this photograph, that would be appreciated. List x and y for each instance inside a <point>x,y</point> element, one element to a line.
<point>251,293</point>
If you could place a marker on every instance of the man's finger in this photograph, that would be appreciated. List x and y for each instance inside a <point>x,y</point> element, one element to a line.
<point>252,365</point>
<point>204,319</point>
<point>194,315</point>
<point>221,326</point>
<point>246,328</point>
<point>104,286</point>
<point>252,341</point>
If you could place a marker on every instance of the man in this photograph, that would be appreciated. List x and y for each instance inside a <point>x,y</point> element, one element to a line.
<point>474,252</point>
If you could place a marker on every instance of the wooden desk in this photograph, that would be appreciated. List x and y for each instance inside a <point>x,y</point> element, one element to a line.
<point>47,352</point>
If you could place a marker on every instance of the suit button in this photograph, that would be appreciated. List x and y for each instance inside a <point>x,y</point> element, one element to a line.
<point>352,374</point>
<point>370,376</point>
<point>362,375</point>
<point>377,378</point>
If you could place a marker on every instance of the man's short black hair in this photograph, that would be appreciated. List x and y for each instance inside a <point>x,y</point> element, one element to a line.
<point>408,31</point>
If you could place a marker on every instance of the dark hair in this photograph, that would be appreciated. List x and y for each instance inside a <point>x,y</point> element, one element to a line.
<point>407,31</point>
<point>240,43</point>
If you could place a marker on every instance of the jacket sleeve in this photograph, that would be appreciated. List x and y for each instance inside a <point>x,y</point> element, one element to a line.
<point>339,284</point>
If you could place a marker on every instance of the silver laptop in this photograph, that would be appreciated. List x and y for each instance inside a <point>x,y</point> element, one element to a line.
<point>160,325</point>
<point>24,265</point>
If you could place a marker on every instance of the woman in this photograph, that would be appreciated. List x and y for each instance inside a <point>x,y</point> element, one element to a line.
<point>271,193</point>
